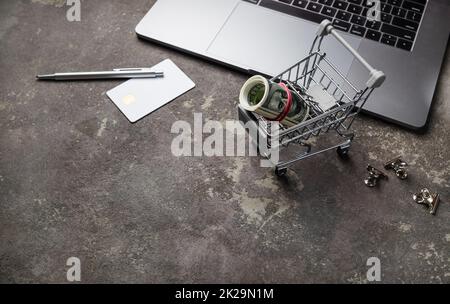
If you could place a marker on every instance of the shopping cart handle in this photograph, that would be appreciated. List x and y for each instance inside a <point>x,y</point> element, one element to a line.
<point>376,77</point>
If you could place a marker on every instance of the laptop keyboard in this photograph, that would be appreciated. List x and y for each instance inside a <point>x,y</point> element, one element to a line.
<point>398,26</point>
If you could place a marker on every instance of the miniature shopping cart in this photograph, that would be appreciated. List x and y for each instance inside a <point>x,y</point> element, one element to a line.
<point>333,102</point>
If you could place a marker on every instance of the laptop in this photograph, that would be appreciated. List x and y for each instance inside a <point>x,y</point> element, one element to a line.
<point>408,43</point>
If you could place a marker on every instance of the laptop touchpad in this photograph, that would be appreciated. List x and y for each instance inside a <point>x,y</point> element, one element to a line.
<point>269,42</point>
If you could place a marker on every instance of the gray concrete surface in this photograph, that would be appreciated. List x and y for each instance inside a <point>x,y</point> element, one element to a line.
<point>77,179</point>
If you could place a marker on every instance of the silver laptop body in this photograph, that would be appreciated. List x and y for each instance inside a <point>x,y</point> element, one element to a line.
<point>267,36</point>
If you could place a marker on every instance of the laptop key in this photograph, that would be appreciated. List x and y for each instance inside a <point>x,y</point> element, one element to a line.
<point>252,1</point>
<point>413,6</point>
<point>365,12</point>
<point>395,2</point>
<point>292,10</point>
<point>358,2</point>
<point>404,44</point>
<point>399,12</point>
<point>340,4</point>
<point>409,25</point>
<point>343,15</point>
<point>373,35</point>
<point>399,32</point>
<point>355,9</point>
<point>374,25</point>
<point>358,30</point>
<point>368,3</point>
<point>386,8</point>
<point>288,1</point>
<point>314,7</point>
<point>326,2</point>
<point>300,3</point>
<point>414,16</point>
<point>329,11</point>
<point>341,25</point>
<point>386,18</point>
<point>359,20</point>
<point>388,39</point>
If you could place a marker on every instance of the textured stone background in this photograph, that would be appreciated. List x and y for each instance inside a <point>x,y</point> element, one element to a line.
<point>77,179</point>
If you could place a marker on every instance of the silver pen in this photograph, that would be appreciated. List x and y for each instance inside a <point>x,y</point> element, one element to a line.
<point>114,74</point>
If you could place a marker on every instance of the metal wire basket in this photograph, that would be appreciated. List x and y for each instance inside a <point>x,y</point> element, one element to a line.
<point>333,101</point>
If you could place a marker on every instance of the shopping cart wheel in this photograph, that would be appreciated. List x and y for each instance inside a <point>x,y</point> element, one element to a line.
<point>280,172</point>
<point>342,152</point>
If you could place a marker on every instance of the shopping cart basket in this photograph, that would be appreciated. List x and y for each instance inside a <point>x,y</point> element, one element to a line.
<point>333,102</point>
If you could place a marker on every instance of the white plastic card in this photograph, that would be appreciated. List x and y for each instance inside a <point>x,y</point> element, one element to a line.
<point>139,97</point>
